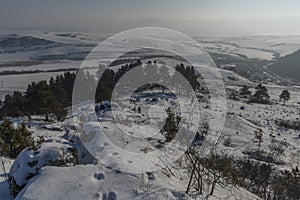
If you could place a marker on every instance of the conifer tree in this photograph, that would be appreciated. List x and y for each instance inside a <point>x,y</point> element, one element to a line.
<point>171,126</point>
<point>13,140</point>
<point>261,95</point>
<point>285,96</point>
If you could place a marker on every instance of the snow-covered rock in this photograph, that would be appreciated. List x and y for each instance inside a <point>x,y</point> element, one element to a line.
<point>94,182</point>
<point>31,160</point>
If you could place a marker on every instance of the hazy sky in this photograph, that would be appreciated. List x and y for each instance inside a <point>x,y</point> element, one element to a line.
<point>203,16</point>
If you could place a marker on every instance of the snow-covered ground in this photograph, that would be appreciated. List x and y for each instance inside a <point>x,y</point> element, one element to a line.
<point>90,181</point>
<point>105,179</point>
<point>244,119</point>
<point>233,50</point>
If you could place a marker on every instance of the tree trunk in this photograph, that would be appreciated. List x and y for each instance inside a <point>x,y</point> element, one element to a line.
<point>200,182</point>
<point>213,187</point>
<point>191,178</point>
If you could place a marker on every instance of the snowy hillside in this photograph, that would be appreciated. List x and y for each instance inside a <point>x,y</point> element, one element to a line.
<point>288,66</point>
<point>120,150</point>
<point>90,181</point>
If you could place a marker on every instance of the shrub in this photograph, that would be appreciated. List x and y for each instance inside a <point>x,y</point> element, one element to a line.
<point>171,126</point>
<point>289,124</point>
<point>14,139</point>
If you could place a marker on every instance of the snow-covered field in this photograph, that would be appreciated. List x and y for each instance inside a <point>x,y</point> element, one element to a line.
<point>20,82</point>
<point>233,50</point>
<point>50,65</point>
<point>241,125</point>
<point>254,46</point>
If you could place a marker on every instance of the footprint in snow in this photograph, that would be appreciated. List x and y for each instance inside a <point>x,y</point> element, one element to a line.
<point>99,176</point>
<point>105,144</point>
<point>150,176</point>
<point>110,196</point>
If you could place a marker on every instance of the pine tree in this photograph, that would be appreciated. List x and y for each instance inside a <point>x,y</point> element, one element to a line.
<point>13,140</point>
<point>171,126</point>
<point>13,104</point>
<point>261,95</point>
<point>285,96</point>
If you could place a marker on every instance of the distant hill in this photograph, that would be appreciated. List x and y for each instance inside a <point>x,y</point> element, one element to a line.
<point>23,41</point>
<point>288,66</point>
<point>17,43</point>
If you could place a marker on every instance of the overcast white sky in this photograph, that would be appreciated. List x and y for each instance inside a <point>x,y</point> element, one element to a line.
<point>217,17</point>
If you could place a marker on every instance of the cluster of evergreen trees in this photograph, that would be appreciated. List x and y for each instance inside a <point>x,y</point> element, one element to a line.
<point>109,79</point>
<point>42,98</point>
<point>190,74</point>
<point>52,97</point>
<point>261,95</point>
